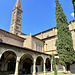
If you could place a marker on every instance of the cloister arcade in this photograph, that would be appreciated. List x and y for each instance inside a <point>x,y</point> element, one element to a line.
<point>18,61</point>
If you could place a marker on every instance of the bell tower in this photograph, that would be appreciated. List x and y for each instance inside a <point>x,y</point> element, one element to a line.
<point>16,20</point>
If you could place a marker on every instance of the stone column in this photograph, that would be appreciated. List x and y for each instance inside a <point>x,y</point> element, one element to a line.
<point>0,56</point>
<point>64,69</point>
<point>44,67</point>
<point>34,67</point>
<point>17,66</point>
<point>51,65</point>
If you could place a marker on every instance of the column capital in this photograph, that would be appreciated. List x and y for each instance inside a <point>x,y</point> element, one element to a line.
<point>18,59</point>
<point>44,61</point>
<point>34,60</point>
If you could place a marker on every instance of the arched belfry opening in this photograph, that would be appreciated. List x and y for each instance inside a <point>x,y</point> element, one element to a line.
<point>26,64</point>
<point>8,62</point>
<point>39,64</point>
<point>48,65</point>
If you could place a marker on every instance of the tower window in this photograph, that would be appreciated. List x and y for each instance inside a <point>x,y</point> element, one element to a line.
<point>17,27</point>
<point>13,20</point>
<point>18,13</point>
<point>18,20</point>
<point>14,13</point>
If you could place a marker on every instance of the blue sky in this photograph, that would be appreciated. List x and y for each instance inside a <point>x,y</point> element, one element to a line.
<point>38,15</point>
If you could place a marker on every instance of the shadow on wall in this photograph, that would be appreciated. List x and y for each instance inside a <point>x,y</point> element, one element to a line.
<point>72,68</point>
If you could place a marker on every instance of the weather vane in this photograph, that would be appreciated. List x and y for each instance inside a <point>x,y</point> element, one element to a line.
<point>73,1</point>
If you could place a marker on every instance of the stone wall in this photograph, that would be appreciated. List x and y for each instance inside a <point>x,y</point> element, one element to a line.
<point>35,42</point>
<point>11,38</point>
<point>31,42</point>
<point>28,42</point>
<point>50,36</point>
<point>72,68</point>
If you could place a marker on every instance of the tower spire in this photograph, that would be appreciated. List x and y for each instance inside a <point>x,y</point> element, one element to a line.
<point>18,5</point>
<point>16,20</point>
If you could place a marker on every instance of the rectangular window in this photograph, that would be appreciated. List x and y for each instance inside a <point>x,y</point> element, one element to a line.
<point>38,47</point>
<point>18,13</point>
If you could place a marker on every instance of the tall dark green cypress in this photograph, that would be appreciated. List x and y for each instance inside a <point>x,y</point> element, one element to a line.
<point>64,42</point>
<point>73,1</point>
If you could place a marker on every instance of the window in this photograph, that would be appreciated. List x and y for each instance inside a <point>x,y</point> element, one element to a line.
<point>18,20</point>
<point>38,47</point>
<point>18,13</point>
<point>1,40</point>
<point>14,13</point>
<point>17,27</point>
<point>13,21</point>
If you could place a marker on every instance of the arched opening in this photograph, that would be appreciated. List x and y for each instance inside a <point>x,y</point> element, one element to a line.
<point>8,62</point>
<point>48,65</point>
<point>39,64</point>
<point>11,64</point>
<point>26,64</point>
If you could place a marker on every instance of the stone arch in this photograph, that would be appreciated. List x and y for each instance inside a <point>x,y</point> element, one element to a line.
<point>40,56</point>
<point>48,57</point>
<point>26,63</point>
<point>9,61</point>
<point>39,64</point>
<point>8,50</point>
<point>48,64</point>
<point>26,54</point>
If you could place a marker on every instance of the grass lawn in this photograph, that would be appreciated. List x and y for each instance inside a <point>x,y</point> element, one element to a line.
<point>61,73</point>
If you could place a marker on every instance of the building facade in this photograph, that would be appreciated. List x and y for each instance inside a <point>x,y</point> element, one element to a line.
<point>28,54</point>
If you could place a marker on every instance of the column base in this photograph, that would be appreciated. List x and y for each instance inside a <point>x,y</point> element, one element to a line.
<point>44,72</point>
<point>16,74</point>
<point>34,73</point>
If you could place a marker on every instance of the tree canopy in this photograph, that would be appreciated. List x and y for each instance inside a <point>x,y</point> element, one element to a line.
<point>73,1</point>
<point>64,41</point>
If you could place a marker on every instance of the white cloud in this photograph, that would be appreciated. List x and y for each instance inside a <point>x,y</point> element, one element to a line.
<point>72,14</point>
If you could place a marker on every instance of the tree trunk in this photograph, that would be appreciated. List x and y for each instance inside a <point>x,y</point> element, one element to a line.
<point>68,69</point>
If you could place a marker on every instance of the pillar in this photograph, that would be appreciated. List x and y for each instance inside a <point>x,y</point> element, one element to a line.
<point>64,69</point>
<point>44,67</point>
<point>0,56</point>
<point>17,66</point>
<point>51,65</point>
<point>34,67</point>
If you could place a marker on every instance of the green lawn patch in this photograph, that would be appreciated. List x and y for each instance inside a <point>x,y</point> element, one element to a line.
<point>60,73</point>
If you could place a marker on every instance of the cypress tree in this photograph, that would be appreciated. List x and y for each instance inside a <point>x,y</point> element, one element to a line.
<point>73,1</point>
<point>64,43</point>
<point>54,65</point>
